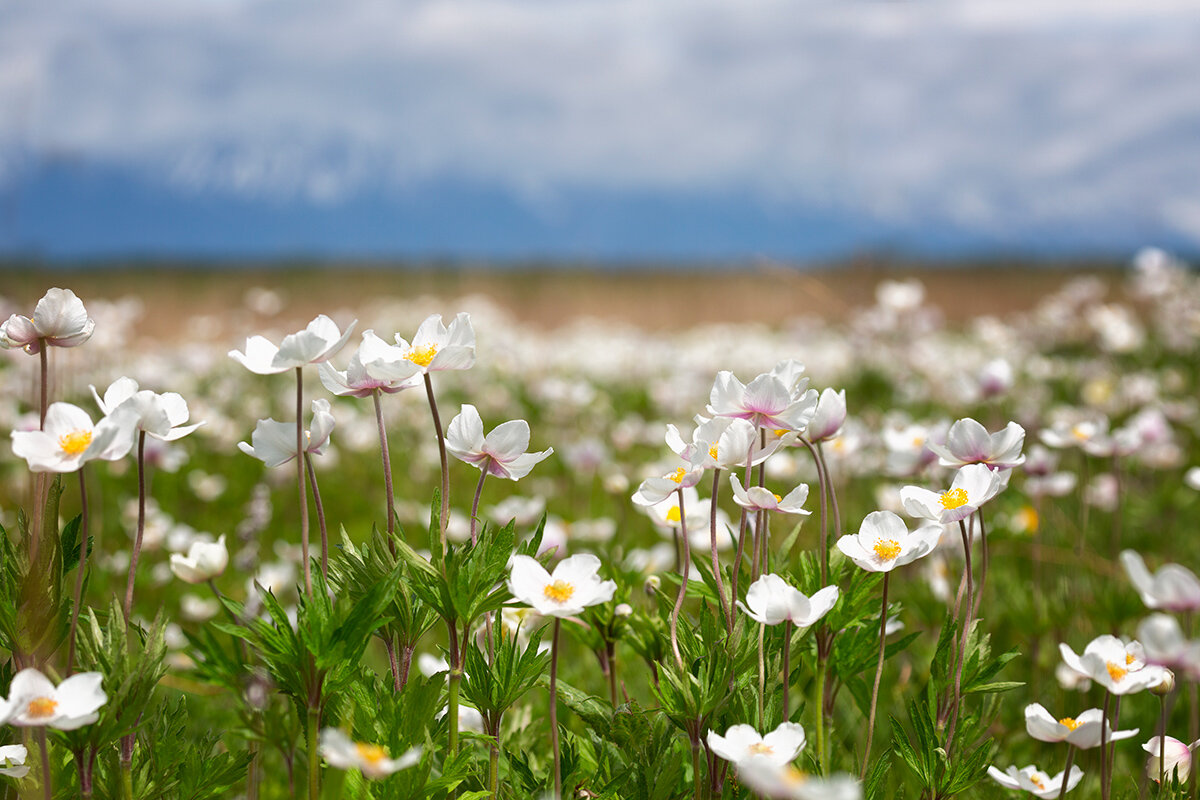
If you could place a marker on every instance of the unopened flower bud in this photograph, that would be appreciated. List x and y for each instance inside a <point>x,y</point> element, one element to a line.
<point>1167,685</point>
<point>623,610</point>
<point>652,584</point>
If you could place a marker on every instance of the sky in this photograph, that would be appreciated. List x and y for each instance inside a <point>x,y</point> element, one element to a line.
<point>598,129</point>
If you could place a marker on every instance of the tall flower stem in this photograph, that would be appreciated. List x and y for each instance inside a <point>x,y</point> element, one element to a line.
<point>475,503</point>
<point>1067,771</point>
<point>44,372</point>
<point>968,621</point>
<point>41,740</point>
<point>314,762</point>
<point>762,676</point>
<point>878,676</point>
<point>743,525</point>
<point>1162,740</point>
<point>312,479</point>
<point>494,763</point>
<point>437,424</point>
<point>823,542</point>
<point>787,676</point>
<point>697,783</point>
<point>1114,544</point>
<point>452,701</point>
<point>685,570</point>
<point>1104,765</point>
<point>141,524</point>
<point>833,501</point>
<point>83,554</point>
<point>983,566</point>
<point>716,563</point>
<point>819,705</point>
<point>308,588</point>
<point>554,709</point>
<point>387,469</point>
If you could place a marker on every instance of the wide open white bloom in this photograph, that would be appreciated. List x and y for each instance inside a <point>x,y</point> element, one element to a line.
<point>968,442</point>
<point>573,586</point>
<point>740,742</point>
<point>59,319</point>
<point>1082,731</point>
<point>653,491</point>
<point>973,486</point>
<point>274,443</point>
<point>203,562</point>
<point>34,701</point>
<point>769,778</point>
<point>503,452</point>
<point>1118,667</point>
<point>69,439</point>
<point>1172,587</point>
<point>318,342</point>
<point>359,381</point>
<point>768,401</point>
<point>770,600</point>
<point>163,416</point>
<point>434,347</point>
<point>12,760</point>
<point>340,751</point>
<point>758,498</point>
<point>1036,782</point>
<point>883,542</point>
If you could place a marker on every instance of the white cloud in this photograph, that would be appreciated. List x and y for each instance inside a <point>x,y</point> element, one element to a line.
<point>986,113</point>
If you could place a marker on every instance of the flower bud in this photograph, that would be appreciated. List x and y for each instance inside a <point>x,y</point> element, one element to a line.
<point>1166,686</point>
<point>623,610</point>
<point>652,584</point>
<point>1176,757</point>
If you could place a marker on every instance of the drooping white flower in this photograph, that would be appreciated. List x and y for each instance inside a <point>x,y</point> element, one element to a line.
<point>12,760</point>
<point>34,701</point>
<point>69,439</point>
<point>573,586</point>
<point>1083,731</point>
<point>829,417</point>
<point>359,381</point>
<point>318,342</point>
<point>274,443</point>
<point>740,742</point>
<point>59,319</point>
<point>163,416</point>
<point>203,562</point>
<point>973,486</point>
<point>770,600</point>
<point>1172,587</point>
<point>968,442</point>
<point>883,542</point>
<point>503,452</point>
<point>1167,757</point>
<point>1119,668</point>
<point>758,498</point>
<point>1036,782</point>
<point>340,751</point>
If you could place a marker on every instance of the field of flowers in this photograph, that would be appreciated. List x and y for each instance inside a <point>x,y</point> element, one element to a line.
<point>943,559</point>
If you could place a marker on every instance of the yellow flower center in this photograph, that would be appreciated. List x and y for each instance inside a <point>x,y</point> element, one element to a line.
<point>1115,671</point>
<point>793,776</point>
<point>1070,723</point>
<point>778,499</point>
<point>421,356</point>
<point>918,441</point>
<point>673,514</point>
<point>1129,659</point>
<point>887,549</point>
<point>760,749</point>
<point>370,753</point>
<point>1038,780</point>
<point>1027,518</point>
<point>677,475</point>
<point>42,707</point>
<point>1080,433</point>
<point>559,591</point>
<point>780,433</point>
<point>712,452</point>
<point>955,498</point>
<point>75,442</point>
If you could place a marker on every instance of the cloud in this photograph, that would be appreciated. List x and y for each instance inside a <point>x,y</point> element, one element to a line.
<point>987,114</point>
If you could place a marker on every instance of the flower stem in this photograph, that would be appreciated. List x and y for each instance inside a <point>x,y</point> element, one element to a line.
<point>1104,765</point>
<point>437,424</point>
<point>475,503</point>
<point>787,677</point>
<point>878,675</point>
<point>697,784</point>
<point>716,563</point>
<point>314,763</point>
<point>308,589</point>
<point>983,565</point>
<point>554,709</point>
<point>83,554</point>
<point>41,740</point>
<point>387,470</point>
<point>762,676</point>
<point>833,502</point>
<point>312,479</point>
<point>1067,771</point>
<point>819,705</point>
<point>685,570</point>
<point>494,765</point>
<point>44,371</point>
<point>967,624</point>
<point>823,542</point>
<point>141,524</point>
<point>743,524</point>
<point>452,700</point>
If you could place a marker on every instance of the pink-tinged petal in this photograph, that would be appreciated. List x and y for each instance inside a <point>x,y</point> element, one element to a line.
<point>725,398</point>
<point>464,434</point>
<point>766,395</point>
<point>793,501</point>
<point>969,441</point>
<point>520,466</point>
<point>19,331</point>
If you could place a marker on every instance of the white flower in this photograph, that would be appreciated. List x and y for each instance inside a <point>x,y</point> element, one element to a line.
<point>973,486</point>
<point>1033,780</point>
<point>359,381</point>
<point>770,600</point>
<point>758,498</point>
<point>653,491</point>
<point>274,443</point>
<point>1165,644</point>
<point>1172,587</point>
<point>768,401</point>
<point>159,415</point>
<point>883,542</point>
<point>768,778</point>
<point>69,439</point>
<point>34,701</point>
<point>829,417</point>
<point>572,587</point>
<point>12,760</point>
<point>434,347</point>
<point>740,742</point>
<point>1176,757</point>
<point>203,562</point>
<point>721,443</point>
<point>968,442</point>
<point>59,319</point>
<point>340,751</point>
<point>318,342</point>
<point>1082,731</point>
<point>502,453</point>
<point>1117,667</point>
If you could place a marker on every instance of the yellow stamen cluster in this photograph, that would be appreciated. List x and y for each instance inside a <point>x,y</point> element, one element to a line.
<point>421,356</point>
<point>1080,432</point>
<point>1038,780</point>
<point>778,499</point>
<point>887,549</point>
<point>75,442</point>
<point>1069,723</point>
<point>1129,659</point>
<point>793,776</point>
<point>370,753</point>
<point>42,707</point>
<point>712,452</point>
<point>1115,671</point>
<point>560,591</point>
<point>673,514</point>
<point>677,475</point>
<point>780,433</point>
<point>954,498</point>
<point>761,749</point>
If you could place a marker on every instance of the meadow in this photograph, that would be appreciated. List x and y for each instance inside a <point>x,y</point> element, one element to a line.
<point>950,477</point>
